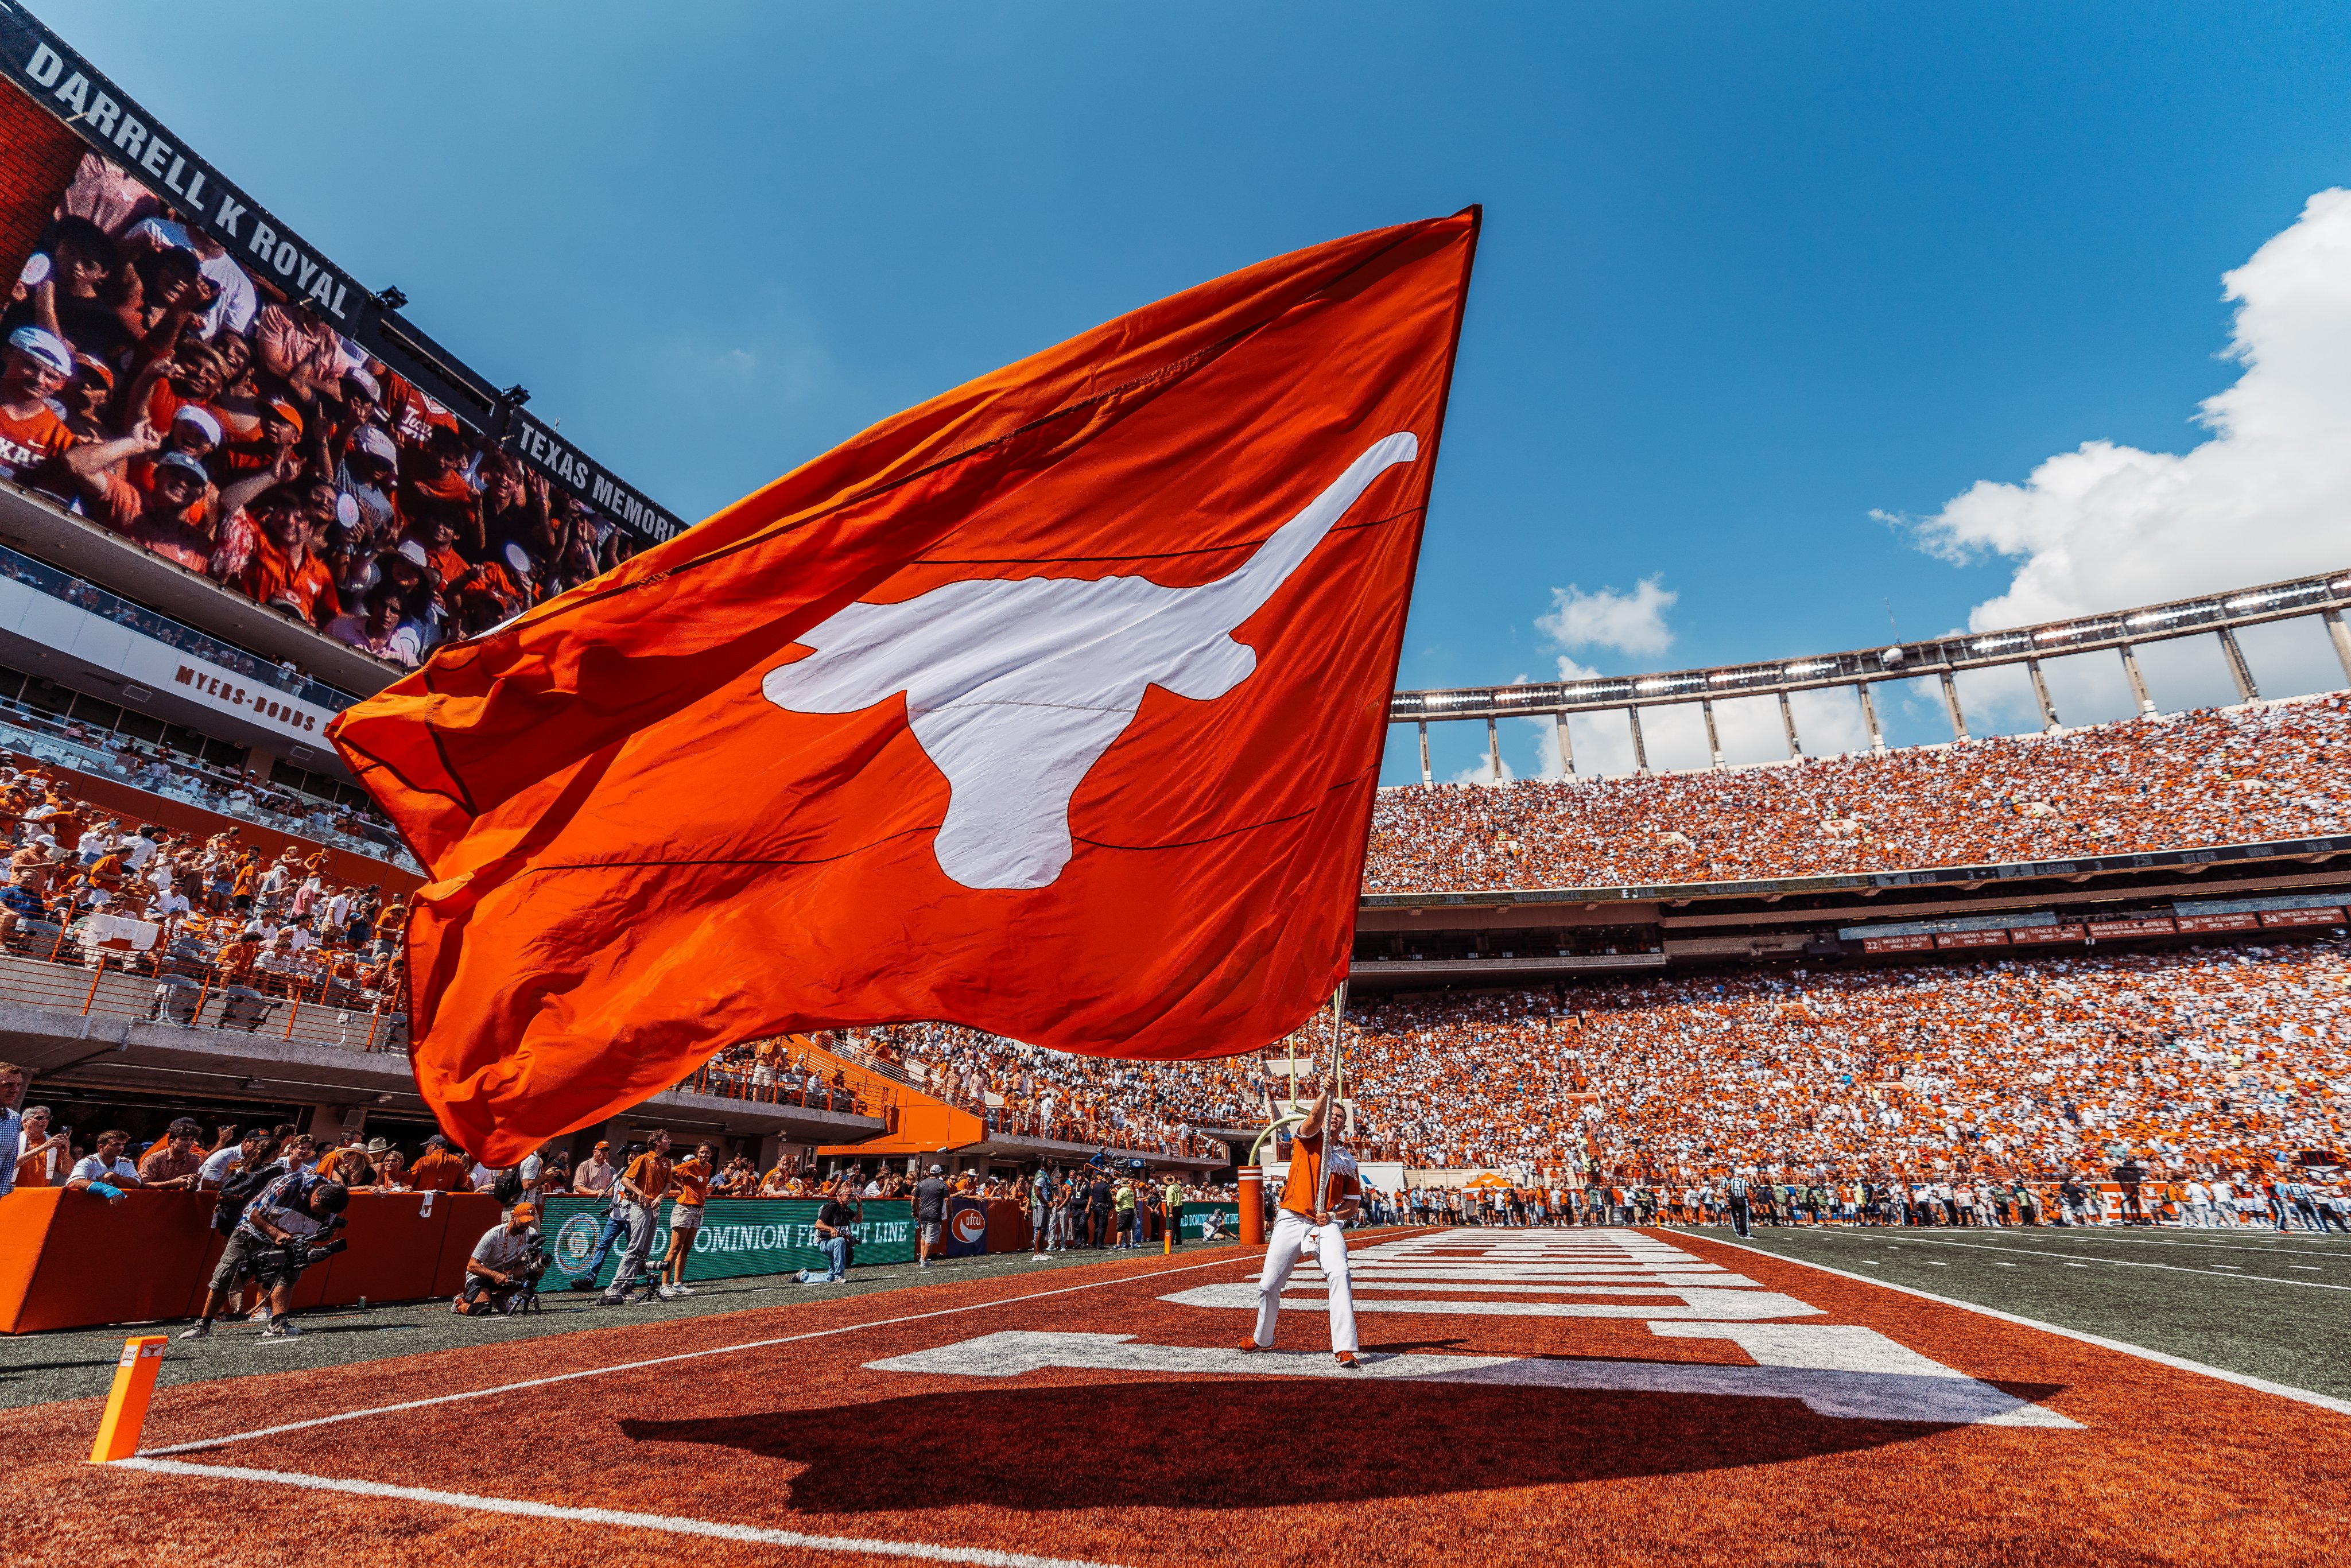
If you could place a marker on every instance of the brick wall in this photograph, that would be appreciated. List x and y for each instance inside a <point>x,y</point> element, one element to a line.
<point>38,157</point>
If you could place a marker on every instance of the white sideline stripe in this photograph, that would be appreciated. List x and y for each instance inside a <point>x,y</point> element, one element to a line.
<point>923,1550</point>
<point>2116,1262</point>
<point>2243,1380</point>
<point>667,1360</point>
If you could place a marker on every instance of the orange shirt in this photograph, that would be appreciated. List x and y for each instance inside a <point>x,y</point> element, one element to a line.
<point>649,1173</point>
<point>689,1183</point>
<point>269,575</point>
<point>28,442</point>
<point>438,1170</point>
<point>1305,1172</point>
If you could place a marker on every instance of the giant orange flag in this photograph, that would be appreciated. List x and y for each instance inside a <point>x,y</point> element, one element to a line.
<point>1053,708</point>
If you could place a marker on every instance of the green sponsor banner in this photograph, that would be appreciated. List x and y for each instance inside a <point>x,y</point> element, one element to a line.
<point>739,1236</point>
<point>1192,1220</point>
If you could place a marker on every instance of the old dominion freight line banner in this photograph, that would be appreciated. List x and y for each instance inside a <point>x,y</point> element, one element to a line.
<point>739,1236</point>
<point>1192,1220</point>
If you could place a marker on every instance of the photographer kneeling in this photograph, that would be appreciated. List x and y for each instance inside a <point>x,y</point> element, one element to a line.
<point>278,1235</point>
<point>505,1267</point>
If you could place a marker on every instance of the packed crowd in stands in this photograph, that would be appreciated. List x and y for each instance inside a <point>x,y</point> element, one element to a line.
<point>157,388</point>
<point>2210,1061</point>
<point>2129,1193</point>
<point>1015,1090</point>
<point>2250,775</point>
<point>89,888</point>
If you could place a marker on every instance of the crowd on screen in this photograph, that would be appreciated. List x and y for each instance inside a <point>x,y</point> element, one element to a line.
<point>155,386</point>
<point>88,887</point>
<point>2249,775</point>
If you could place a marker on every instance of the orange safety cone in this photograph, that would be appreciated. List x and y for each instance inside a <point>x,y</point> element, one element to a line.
<point>126,1402</point>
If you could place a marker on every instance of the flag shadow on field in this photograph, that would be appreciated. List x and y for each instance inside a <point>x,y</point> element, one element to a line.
<point>1249,1443</point>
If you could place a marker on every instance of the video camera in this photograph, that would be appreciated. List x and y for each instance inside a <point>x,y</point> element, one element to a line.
<point>521,1294</point>
<point>291,1257</point>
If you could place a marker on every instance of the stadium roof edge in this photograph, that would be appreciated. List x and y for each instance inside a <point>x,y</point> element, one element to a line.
<point>2121,630</point>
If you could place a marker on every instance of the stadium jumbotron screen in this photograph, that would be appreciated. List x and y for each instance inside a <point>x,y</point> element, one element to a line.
<point>157,293</point>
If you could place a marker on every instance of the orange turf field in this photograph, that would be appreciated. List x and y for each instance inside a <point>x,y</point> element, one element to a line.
<point>2130,1462</point>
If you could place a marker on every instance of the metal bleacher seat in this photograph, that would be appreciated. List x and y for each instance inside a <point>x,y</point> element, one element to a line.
<point>176,999</point>
<point>242,1008</point>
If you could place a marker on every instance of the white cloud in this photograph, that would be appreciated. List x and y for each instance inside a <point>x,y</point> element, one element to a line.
<point>2107,526</point>
<point>1630,622</point>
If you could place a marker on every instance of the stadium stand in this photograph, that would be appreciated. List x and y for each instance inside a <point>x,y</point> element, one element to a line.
<point>2209,777</point>
<point>1019,1089</point>
<point>2202,1059</point>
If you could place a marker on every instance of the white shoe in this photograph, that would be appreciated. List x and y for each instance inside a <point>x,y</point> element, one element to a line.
<point>259,1314</point>
<point>201,1330</point>
<point>666,1293</point>
<point>681,1289</point>
<point>1040,1258</point>
<point>289,1329</point>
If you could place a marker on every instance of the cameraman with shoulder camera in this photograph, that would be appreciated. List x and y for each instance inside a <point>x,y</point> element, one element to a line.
<point>280,1233</point>
<point>505,1264</point>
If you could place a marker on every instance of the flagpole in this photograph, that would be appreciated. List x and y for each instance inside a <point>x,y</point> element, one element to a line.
<point>1331,1096</point>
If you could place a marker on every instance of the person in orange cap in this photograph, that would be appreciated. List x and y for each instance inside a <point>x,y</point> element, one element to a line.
<point>500,1267</point>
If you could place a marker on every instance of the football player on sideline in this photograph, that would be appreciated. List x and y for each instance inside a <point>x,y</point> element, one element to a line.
<point>1320,1197</point>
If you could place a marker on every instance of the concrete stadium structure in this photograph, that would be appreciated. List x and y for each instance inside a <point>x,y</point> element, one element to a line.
<point>2122,633</point>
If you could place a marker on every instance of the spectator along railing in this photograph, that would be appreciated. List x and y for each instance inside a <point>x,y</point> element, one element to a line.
<point>274,674</point>
<point>119,759</point>
<point>87,971</point>
<point>798,1077</point>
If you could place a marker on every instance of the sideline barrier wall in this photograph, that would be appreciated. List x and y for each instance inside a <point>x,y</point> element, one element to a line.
<point>1008,1225</point>
<point>739,1235</point>
<point>71,1260</point>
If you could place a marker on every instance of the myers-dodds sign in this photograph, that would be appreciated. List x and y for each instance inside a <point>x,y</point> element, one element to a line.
<point>739,1235</point>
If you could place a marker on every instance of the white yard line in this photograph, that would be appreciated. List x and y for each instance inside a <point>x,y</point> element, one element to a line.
<point>920,1551</point>
<point>2243,1380</point>
<point>668,1360</point>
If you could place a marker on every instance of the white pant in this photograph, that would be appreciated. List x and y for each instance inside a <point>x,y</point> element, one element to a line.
<point>1291,1231</point>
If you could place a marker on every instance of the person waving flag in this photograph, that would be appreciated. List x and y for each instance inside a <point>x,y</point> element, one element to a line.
<point>1052,708</point>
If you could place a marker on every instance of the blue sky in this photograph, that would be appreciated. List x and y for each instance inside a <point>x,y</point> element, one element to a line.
<point>1751,275</point>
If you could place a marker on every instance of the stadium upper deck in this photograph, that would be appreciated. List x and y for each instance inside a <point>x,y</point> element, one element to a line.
<point>2157,829</point>
<point>2256,775</point>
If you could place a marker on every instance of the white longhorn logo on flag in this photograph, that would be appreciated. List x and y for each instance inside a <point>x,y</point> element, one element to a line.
<point>1015,687</point>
